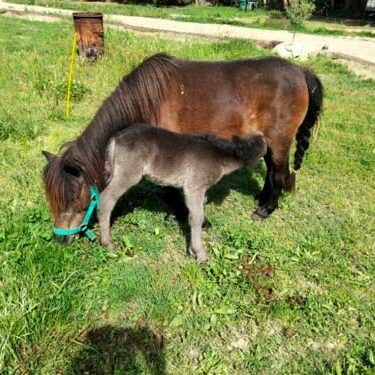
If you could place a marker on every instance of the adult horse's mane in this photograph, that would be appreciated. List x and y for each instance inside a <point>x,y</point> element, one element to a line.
<point>137,98</point>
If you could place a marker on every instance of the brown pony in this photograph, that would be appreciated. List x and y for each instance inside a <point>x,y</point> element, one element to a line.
<point>268,95</point>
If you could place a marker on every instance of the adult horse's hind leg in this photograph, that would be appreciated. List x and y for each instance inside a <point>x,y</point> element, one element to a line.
<point>278,178</point>
<point>195,202</point>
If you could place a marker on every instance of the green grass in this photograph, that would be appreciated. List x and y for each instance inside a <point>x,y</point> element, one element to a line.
<point>291,295</point>
<point>259,18</point>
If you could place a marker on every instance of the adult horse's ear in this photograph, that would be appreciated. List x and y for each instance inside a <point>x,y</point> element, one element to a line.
<point>49,156</point>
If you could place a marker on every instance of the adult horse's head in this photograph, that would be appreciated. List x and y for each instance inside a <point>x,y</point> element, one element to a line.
<point>67,193</point>
<point>70,177</point>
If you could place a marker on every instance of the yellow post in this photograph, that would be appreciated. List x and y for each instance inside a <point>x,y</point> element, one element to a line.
<point>67,104</point>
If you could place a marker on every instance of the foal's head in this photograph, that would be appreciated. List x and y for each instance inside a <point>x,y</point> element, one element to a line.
<point>67,193</point>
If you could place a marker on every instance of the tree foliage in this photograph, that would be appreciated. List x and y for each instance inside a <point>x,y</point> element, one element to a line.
<point>299,10</point>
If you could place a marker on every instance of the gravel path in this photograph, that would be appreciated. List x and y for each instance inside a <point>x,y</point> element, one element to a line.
<point>352,48</point>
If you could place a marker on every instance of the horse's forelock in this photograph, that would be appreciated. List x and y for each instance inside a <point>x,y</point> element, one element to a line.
<point>57,187</point>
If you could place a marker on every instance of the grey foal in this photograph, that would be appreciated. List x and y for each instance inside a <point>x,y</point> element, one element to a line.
<point>193,163</point>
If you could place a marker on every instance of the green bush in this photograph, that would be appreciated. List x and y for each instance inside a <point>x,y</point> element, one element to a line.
<point>299,11</point>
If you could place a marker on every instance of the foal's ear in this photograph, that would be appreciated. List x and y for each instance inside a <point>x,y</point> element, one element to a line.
<point>49,156</point>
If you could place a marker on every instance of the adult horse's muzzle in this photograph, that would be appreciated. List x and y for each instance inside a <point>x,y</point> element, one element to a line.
<point>62,240</point>
<point>63,236</point>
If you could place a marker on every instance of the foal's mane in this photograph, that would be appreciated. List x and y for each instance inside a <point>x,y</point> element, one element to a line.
<point>137,98</point>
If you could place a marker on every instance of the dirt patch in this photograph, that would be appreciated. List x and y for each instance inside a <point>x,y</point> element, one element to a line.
<point>32,17</point>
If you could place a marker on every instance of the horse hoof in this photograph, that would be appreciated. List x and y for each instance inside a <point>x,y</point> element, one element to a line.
<point>191,252</point>
<point>259,214</point>
<point>111,248</point>
<point>112,254</point>
<point>202,258</point>
<point>256,217</point>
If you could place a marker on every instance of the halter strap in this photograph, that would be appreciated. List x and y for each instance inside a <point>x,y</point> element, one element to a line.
<point>83,228</point>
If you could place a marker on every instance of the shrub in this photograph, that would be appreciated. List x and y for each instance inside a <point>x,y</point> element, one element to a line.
<point>299,11</point>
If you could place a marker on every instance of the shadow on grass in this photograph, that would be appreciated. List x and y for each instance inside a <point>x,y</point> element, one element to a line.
<point>157,199</point>
<point>115,350</point>
<point>242,181</point>
<point>169,201</point>
<point>154,198</point>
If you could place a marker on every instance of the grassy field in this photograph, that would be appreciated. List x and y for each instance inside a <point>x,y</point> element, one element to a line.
<point>258,18</point>
<point>291,295</point>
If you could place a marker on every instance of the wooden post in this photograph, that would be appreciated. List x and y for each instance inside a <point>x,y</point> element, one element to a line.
<point>90,34</point>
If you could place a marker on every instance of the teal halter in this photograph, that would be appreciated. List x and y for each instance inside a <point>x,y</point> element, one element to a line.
<point>83,228</point>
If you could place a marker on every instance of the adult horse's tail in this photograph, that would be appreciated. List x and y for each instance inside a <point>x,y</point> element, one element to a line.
<point>315,89</point>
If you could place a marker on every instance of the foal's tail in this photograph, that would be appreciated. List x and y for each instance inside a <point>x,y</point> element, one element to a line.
<point>249,149</point>
<point>315,89</point>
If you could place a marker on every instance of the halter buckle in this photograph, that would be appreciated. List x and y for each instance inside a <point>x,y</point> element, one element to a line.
<point>83,228</point>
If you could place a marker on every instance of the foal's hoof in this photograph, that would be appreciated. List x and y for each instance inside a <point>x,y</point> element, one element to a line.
<point>111,248</point>
<point>202,258</point>
<point>260,213</point>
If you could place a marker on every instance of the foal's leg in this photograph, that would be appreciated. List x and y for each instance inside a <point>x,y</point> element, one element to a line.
<point>195,203</point>
<point>118,186</point>
<point>278,178</point>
